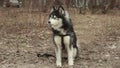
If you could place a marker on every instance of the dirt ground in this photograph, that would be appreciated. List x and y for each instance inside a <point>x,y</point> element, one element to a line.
<point>26,40</point>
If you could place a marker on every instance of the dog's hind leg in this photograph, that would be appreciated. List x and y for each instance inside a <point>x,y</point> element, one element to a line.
<point>57,40</point>
<point>75,45</point>
<point>75,52</point>
<point>69,50</point>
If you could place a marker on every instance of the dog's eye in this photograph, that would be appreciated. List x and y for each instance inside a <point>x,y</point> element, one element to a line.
<point>54,17</point>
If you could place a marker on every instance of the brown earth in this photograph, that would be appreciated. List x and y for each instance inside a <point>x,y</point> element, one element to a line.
<point>26,40</point>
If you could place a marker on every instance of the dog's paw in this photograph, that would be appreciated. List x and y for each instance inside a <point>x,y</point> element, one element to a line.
<point>59,65</point>
<point>70,62</point>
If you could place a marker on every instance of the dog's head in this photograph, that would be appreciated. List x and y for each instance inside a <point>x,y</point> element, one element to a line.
<point>56,17</point>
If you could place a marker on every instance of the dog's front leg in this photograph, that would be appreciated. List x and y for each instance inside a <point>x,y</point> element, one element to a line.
<point>69,50</point>
<point>57,40</point>
<point>58,57</point>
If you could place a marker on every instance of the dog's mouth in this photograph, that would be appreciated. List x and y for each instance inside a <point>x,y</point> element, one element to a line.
<point>55,22</point>
<point>55,25</point>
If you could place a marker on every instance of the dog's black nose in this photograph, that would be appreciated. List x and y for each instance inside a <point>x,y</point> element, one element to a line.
<point>49,22</point>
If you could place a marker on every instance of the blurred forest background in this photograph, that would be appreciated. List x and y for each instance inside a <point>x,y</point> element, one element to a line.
<point>81,5</point>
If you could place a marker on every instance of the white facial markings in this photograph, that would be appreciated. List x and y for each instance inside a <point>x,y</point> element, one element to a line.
<point>55,22</point>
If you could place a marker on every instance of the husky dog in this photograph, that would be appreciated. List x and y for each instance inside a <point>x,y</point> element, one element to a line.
<point>64,36</point>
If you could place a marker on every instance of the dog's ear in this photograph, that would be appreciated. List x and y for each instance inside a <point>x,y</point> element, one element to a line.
<point>53,9</point>
<point>61,10</point>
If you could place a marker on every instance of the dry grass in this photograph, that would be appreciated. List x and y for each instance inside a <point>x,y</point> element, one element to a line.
<point>23,35</point>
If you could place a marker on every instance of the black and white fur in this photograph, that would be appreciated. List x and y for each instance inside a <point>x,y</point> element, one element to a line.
<point>64,36</point>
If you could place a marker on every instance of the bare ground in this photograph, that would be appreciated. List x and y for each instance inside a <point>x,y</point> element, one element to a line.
<point>26,40</point>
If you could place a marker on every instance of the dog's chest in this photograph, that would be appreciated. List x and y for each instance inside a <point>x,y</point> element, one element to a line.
<point>60,31</point>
